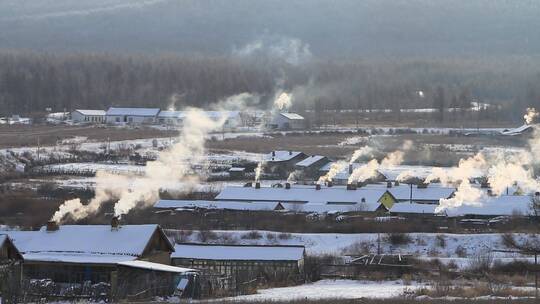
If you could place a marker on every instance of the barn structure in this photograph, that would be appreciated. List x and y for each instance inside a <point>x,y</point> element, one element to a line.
<point>131,115</point>
<point>287,121</point>
<point>235,268</point>
<point>88,116</point>
<point>126,261</point>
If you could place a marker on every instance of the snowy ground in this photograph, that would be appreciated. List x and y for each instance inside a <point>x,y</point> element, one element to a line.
<point>331,289</point>
<point>457,248</point>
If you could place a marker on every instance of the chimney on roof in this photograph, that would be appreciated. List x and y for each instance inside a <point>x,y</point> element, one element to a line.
<point>273,153</point>
<point>329,184</point>
<point>484,185</point>
<point>248,185</point>
<point>360,184</point>
<point>290,152</point>
<point>350,168</point>
<point>52,226</point>
<point>287,185</point>
<point>351,187</point>
<point>490,192</point>
<point>115,223</point>
<point>318,187</point>
<point>388,184</point>
<point>396,183</point>
<point>257,185</point>
<point>363,200</point>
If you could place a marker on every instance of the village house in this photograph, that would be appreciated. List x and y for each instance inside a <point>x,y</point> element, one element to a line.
<point>287,121</point>
<point>131,115</point>
<point>233,268</point>
<point>88,116</point>
<point>128,261</point>
<point>281,162</point>
<point>179,205</point>
<point>309,167</point>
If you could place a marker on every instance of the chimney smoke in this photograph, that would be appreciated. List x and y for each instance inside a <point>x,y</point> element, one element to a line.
<point>52,226</point>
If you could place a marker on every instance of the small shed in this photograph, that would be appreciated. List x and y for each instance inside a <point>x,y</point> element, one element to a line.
<point>287,121</point>
<point>88,116</point>
<point>310,166</point>
<point>234,267</point>
<point>237,172</point>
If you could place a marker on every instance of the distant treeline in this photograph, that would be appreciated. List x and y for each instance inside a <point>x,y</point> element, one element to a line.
<point>32,82</point>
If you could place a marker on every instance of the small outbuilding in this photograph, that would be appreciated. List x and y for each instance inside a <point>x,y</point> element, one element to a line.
<point>287,121</point>
<point>233,268</point>
<point>88,116</point>
<point>310,166</point>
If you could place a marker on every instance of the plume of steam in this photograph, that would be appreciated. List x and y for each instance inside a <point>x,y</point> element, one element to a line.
<point>530,115</point>
<point>465,194</point>
<point>283,101</point>
<point>466,169</point>
<point>335,168</point>
<point>290,50</point>
<point>295,175</point>
<point>364,151</point>
<point>259,170</point>
<point>504,175</point>
<point>173,165</point>
<point>370,169</point>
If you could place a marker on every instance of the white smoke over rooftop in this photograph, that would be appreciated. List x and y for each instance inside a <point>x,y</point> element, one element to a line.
<point>530,115</point>
<point>283,101</point>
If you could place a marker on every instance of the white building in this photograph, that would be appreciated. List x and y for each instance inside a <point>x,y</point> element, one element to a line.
<point>88,116</point>
<point>287,121</point>
<point>132,115</point>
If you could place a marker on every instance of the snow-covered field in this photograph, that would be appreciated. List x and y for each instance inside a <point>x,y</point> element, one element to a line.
<point>332,289</point>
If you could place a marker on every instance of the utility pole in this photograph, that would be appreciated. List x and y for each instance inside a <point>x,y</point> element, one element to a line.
<point>38,148</point>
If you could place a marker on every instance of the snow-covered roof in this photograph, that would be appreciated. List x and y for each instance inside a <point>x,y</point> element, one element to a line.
<point>221,205</point>
<point>301,194</point>
<point>518,130</point>
<point>291,116</point>
<point>91,112</point>
<point>280,155</point>
<point>413,208</point>
<point>155,266</point>
<point>310,160</point>
<point>432,192</point>
<point>3,238</point>
<point>495,206</point>
<point>237,169</point>
<point>133,111</point>
<point>79,258</point>
<point>238,252</point>
<point>127,240</point>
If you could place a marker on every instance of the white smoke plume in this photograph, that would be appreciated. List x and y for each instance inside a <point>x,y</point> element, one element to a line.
<point>335,168</point>
<point>370,169</point>
<point>465,194</point>
<point>294,176</point>
<point>364,151</point>
<point>259,170</point>
<point>283,101</point>
<point>530,115</point>
<point>171,167</point>
<point>290,50</point>
<point>466,169</point>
